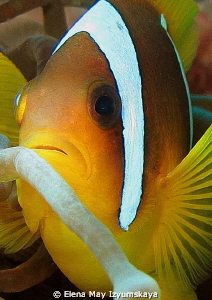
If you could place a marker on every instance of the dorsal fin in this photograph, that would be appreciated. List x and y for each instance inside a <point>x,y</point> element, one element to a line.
<point>182,28</point>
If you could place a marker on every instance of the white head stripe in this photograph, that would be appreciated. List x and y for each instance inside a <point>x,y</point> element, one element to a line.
<point>106,27</point>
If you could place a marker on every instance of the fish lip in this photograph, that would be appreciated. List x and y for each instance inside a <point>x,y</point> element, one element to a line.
<point>48,147</point>
<point>43,140</point>
<point>37,140</point>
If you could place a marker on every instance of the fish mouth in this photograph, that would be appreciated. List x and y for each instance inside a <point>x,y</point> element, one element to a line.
<point>46,147</point>
<point>71,153</point>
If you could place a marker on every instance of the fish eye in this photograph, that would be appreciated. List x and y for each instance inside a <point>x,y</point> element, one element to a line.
<point>104,106</point>
<point>20,105</point>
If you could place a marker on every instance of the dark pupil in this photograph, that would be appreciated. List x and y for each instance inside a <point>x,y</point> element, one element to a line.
<point>104,106</point>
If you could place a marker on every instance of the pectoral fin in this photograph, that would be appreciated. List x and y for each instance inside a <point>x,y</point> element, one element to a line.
<point>183,240</point>
<point>14,233</point>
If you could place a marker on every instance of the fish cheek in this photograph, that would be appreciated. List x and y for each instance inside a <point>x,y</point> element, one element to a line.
<point>101,191</point>
<point>103,138</point>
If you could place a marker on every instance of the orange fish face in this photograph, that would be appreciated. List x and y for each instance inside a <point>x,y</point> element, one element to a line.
<point>72,115</point>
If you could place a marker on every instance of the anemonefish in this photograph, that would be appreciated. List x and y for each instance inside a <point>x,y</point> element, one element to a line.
<point>111,113</point>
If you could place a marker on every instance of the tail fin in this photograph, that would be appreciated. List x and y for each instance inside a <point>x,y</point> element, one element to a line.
<point>183,241</point>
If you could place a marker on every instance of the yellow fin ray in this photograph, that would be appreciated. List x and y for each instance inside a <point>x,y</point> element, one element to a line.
<point>183,238</point>
<point>180,16</point>
<point>11,81</point>
<point>166,249</point>
<point>184,224</point>
<point>203,197</point>
<point>194,189</point>
<point>198,170</point>
<point>187,257</point>
<point>197,163</point>
<point>14,233</point>
<point>197,218</point>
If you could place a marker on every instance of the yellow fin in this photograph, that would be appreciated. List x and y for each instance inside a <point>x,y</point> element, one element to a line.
<point>183,237</point>
<point>180,16</point>
<point>14,233</point>
<point>11,81</point>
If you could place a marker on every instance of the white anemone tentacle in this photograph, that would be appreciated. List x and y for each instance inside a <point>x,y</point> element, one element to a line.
<point>25,163</point>
<point>5,187</point>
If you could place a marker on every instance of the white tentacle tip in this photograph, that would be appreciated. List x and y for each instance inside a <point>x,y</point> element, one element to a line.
<point>138,285</point>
